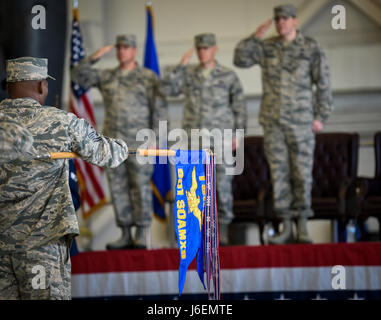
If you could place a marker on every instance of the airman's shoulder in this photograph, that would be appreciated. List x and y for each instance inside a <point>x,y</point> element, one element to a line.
<point>312,43</point>
<point>54,113</point>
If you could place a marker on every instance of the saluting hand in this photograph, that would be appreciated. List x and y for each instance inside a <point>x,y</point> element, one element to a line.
<point>317,126</point>
<point>102,51</point>
<point>263,28</point>
<point>187,56</point>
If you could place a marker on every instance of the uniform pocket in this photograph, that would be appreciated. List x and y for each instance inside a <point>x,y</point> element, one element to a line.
<point>301,67</point>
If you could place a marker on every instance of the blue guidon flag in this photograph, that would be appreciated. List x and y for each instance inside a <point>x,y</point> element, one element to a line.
<point>189,210</point>
<point>196,221</point>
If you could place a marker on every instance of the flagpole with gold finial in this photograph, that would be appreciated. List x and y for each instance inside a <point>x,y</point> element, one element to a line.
<point>75,10</point>
<point>149,7</point>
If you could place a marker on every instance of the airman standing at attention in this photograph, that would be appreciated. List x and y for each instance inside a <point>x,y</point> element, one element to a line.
<point>292,65</point>
<point>214,99</point>
<point>132,102</point>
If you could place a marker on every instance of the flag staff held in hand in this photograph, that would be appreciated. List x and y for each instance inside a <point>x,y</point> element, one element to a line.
<point>140,152</point>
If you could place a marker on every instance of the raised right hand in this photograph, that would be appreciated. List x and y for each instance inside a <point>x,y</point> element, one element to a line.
<point>263,28</point>
<point>187,56</point>
<point>102,51</point>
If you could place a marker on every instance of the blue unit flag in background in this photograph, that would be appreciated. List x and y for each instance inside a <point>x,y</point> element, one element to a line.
<point>161,178</point>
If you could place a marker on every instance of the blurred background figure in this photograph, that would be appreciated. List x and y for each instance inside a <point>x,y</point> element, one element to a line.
<point>214,100</point>
<point>292,65</point>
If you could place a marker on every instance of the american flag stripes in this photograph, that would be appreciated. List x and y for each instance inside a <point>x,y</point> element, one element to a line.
<point>90,177</point>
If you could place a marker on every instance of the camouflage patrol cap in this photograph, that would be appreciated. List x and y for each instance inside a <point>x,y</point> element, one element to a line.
<point>285,10</point>
<point>204,40</point>
<point>126,39</point>
<point>27,68</point>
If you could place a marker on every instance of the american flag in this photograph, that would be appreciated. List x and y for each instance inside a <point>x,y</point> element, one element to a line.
<point>90,178</point>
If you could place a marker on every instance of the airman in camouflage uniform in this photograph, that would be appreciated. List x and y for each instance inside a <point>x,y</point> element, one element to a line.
<point>214,99</point>
<point>37,217</point>
<point>15,141</point>
<point>132,102</point>
<point>291,64</point>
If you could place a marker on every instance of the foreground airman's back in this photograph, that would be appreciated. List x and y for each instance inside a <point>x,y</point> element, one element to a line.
<point>35,202</point>
<point>14,139</point>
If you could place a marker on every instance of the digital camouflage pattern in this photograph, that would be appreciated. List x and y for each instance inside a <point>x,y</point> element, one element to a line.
<point>27,68</point>
<point>204,40</point>
<point>216,101</point>
<point>127,40</point>
<point>43,273</point>
<point>132,99</point>
<point>285,10</point>
<point>292,180</point>
<point>288,108</point>
<point>37,217</point>
<point>35,202</point>
<point>288,75</point>
<point>132,102</point>
<point>213,102</point>
<point>15,141</point>
<point>131,193</point>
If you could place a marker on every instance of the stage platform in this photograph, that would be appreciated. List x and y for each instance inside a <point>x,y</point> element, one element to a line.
<point>301,272</point>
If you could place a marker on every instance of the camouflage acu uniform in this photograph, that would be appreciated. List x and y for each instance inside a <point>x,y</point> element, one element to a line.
<point>132,102</point>
<point>15,141</point>
<point>213,102</point>
<point>287,111</point>
<point>37,217</point>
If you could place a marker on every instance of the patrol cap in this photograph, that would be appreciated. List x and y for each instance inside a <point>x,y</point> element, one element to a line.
<point>27,68</point>
<point>204,40</point>
<point>285,10</point>
<point>126,39</point>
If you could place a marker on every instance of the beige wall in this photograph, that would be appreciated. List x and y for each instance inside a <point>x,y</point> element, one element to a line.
<point>353,54</point>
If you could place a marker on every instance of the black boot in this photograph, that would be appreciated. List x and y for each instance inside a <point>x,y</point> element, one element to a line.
<point>125,241</point>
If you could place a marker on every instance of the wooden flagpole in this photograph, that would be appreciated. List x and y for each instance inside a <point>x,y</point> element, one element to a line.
<point>139,152</point>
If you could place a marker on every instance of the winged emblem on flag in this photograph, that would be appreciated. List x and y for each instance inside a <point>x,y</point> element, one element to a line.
<point>193,199</point>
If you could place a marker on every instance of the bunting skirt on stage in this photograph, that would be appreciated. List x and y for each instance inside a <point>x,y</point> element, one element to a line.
<point>247,272</point>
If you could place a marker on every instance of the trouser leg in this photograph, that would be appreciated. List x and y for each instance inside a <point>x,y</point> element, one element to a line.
<point>224,203</point>
<point>140,191</point>
<point>224,195</point>
<point>141,200</point>
<point>119,188</point>
<point>221,150</point>
<point>301,144</point>
<point>44,273</point>
<point>132,200</point>
<point>8,283</point>
<point>277,154</point>
<point>131,192</point>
